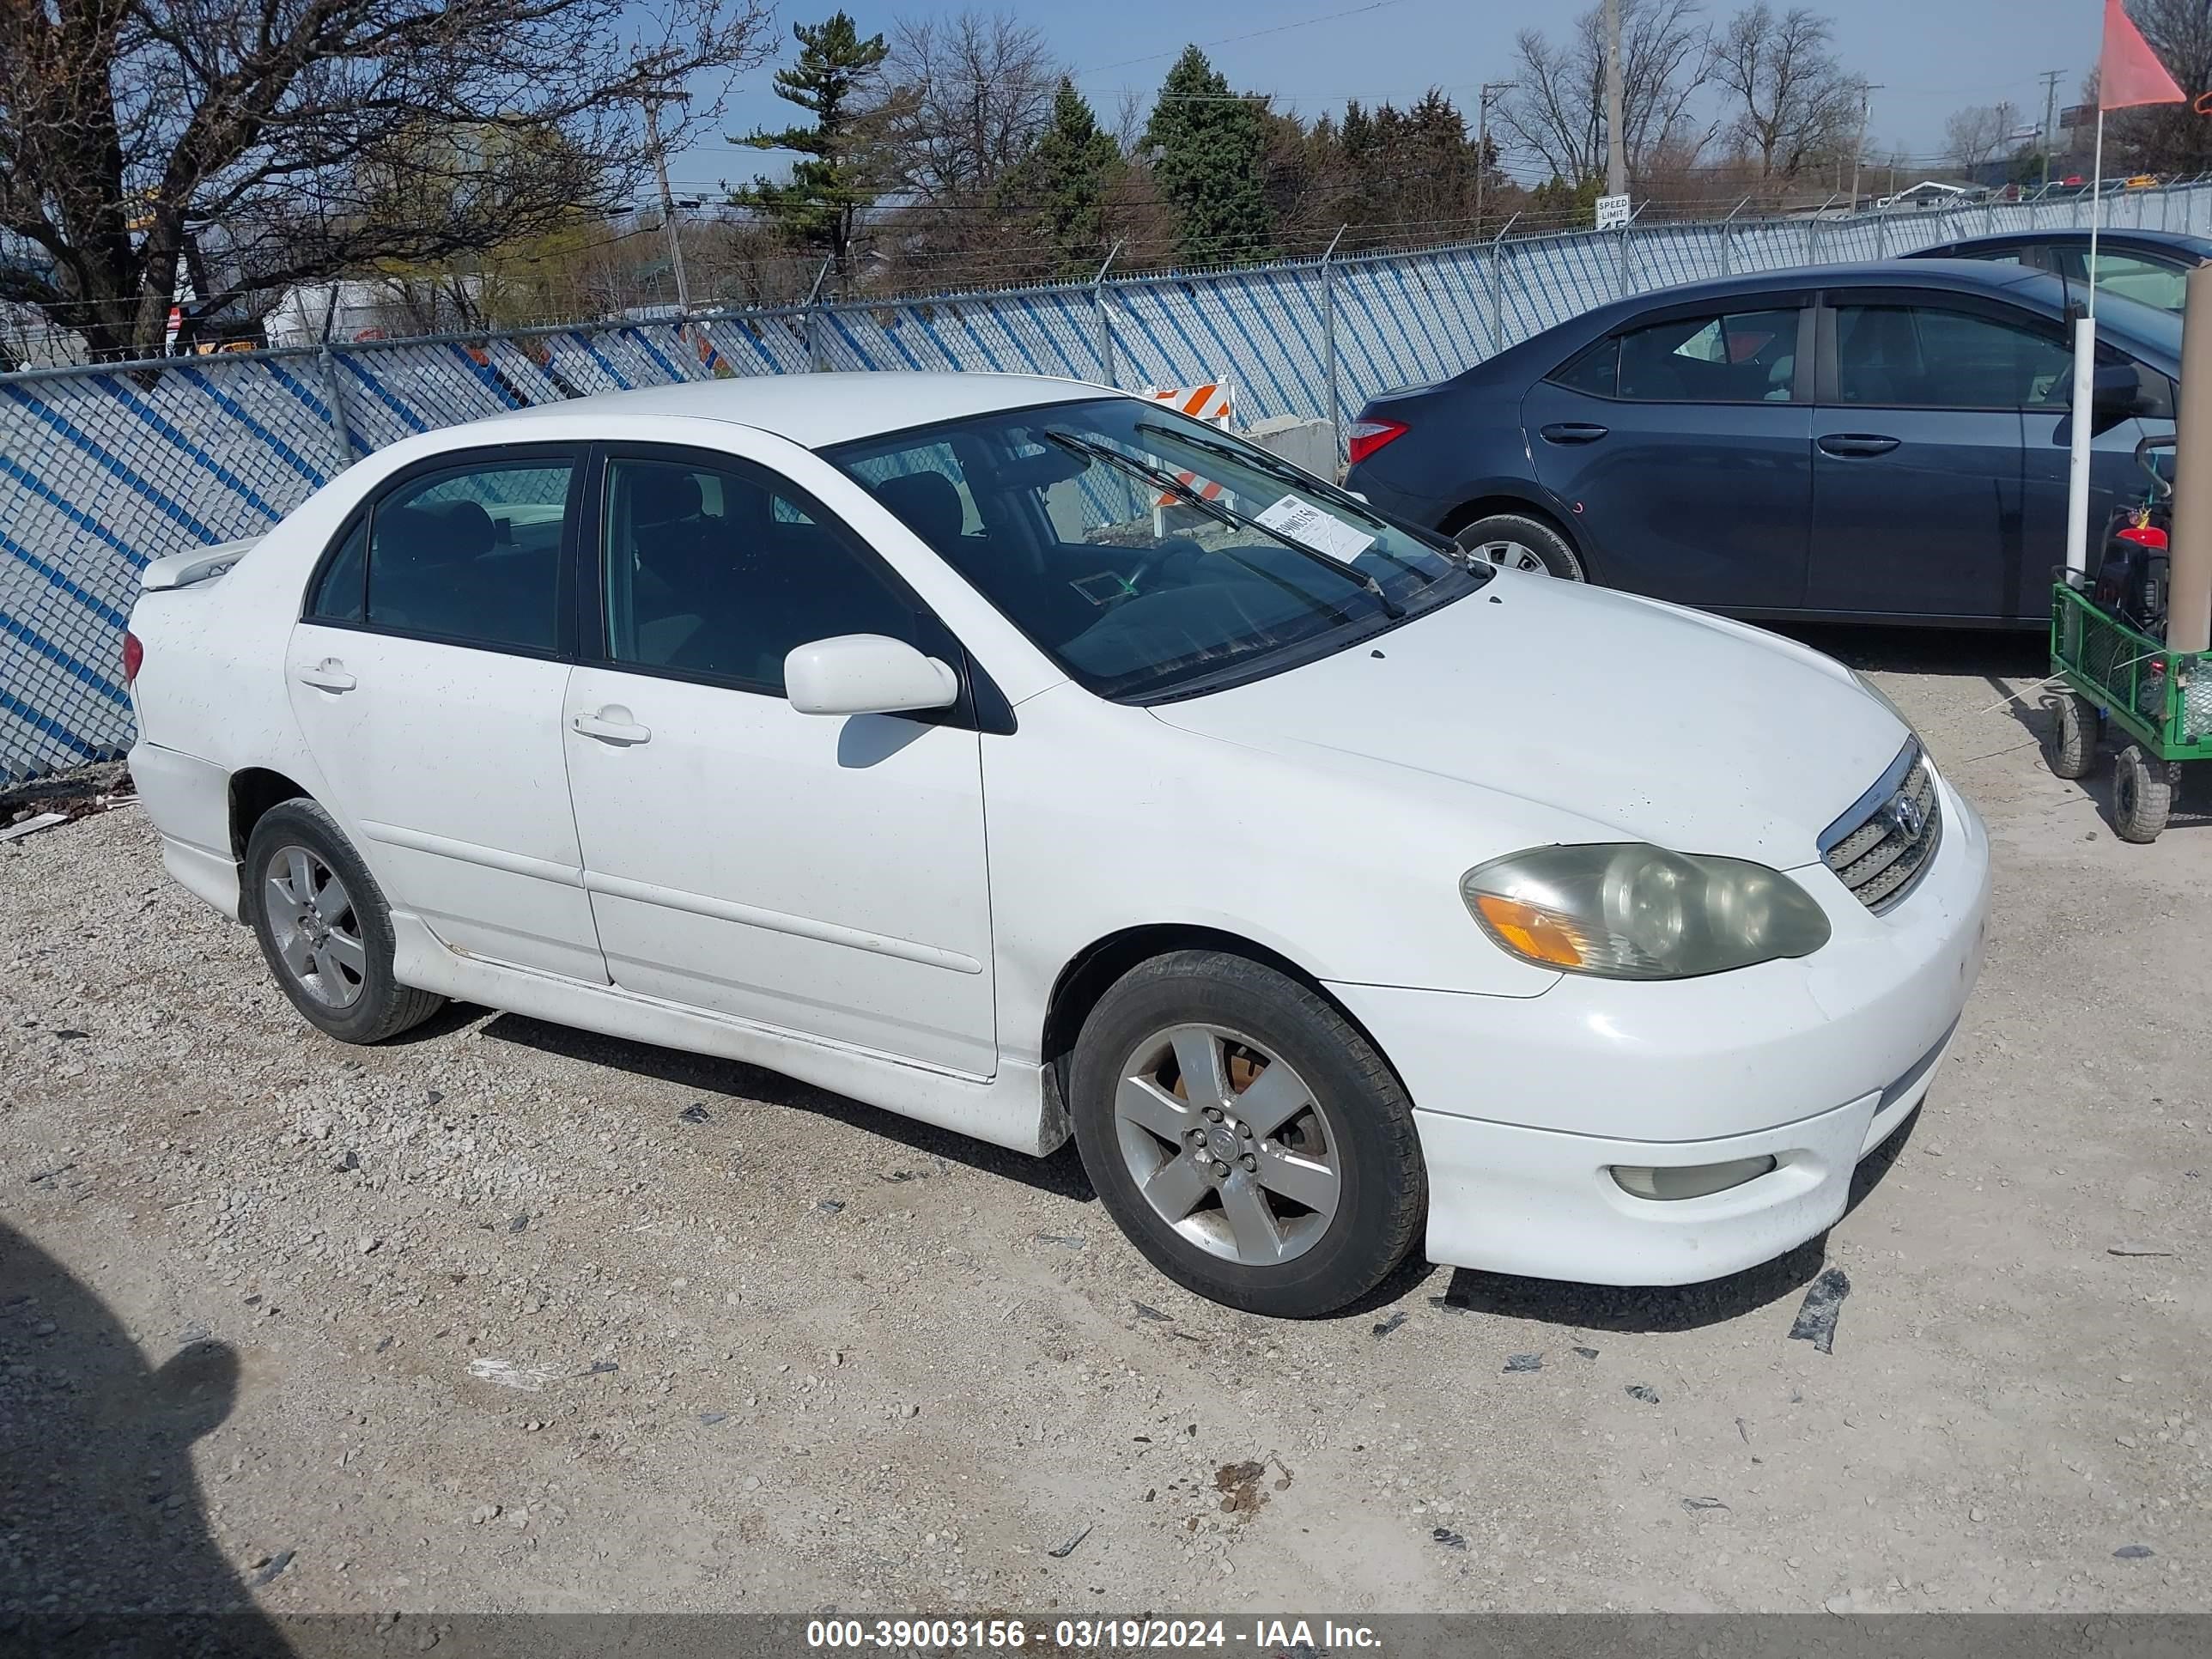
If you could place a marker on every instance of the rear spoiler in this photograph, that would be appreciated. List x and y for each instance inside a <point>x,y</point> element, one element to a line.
<point>183,569</point>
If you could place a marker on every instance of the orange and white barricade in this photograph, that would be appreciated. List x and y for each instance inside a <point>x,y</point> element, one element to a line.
<point>1213,402</point>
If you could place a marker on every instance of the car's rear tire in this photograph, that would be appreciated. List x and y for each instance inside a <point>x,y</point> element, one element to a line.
<point>325,928</point>
<point>2072,753</point>
<point>1517,541</point>
<point>1290,1200</point>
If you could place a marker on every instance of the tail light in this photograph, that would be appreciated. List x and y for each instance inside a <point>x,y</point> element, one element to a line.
<point>1364,437</point>
<point>134,657</point>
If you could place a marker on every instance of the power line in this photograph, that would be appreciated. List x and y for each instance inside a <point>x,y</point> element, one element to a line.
<point>1231,40</point>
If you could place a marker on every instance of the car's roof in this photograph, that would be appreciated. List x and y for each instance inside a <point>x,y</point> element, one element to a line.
<point>821,410</point>
<point>2195,247</point>
<point>1866,273</point>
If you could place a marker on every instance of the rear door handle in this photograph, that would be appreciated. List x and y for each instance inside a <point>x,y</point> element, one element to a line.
<point>612,724</point>
<point>328,675</point>
<point>1855,443</point>
<point>1573,432</point>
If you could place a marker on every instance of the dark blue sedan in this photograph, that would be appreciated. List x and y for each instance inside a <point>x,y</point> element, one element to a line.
<point>2149,266</point>
<point>1874,442</point>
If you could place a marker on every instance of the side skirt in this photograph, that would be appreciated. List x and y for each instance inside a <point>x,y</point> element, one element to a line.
<point>1013,1110</point>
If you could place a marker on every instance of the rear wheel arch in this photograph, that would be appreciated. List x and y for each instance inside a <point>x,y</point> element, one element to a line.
<point>1483,506</point>
<point>253,791</point>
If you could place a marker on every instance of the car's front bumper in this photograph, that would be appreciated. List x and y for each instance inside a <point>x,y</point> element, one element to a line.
<point>1525,1106</point>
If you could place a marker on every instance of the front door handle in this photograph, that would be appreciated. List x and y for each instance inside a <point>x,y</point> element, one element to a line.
<point>612,724</point>
<point>1855,443</point>
<point>1573,432</point>
<point>328,675</point>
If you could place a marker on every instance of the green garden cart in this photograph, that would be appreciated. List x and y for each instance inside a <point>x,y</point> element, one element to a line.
<point>2161,701</point>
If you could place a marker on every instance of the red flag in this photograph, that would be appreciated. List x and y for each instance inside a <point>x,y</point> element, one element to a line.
<point>2128,72</point>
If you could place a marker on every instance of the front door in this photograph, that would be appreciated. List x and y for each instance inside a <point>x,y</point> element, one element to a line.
<point>816,875</point>
<point>1682,448</point>
<point>1917,440</point>
<point>427,676</point>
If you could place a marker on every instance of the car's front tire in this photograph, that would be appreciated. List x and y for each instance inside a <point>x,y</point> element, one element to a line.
<point>1517,541</point>
<point>325,927</point>
<point>1248,1139</point>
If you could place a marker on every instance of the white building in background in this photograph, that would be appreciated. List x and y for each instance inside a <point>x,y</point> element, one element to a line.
<point>28,340</point>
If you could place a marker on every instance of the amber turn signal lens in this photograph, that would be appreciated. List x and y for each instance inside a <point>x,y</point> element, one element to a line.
<point>1535,934</point>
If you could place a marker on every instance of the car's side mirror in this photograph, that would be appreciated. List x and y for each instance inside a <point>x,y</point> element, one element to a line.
<point>2114,388</point>
<point>867,674</point>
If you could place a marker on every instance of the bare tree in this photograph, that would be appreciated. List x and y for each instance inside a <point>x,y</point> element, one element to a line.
<point>1557,111</point>
<point>966,97</point>
<point>1974,137</point>
<point>1793,104</point>
<point>262,143</point>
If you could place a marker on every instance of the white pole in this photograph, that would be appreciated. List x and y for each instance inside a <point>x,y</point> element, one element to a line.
<point>2085,368</point>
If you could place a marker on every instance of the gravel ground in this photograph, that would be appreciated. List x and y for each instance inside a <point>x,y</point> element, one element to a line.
<point>502,1316</point>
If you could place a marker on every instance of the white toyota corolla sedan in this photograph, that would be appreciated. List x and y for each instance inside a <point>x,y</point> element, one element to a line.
<point>1025,758</point>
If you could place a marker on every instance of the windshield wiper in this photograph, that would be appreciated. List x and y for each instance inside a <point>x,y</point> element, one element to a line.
<point>1276,466</point>
<point>1166,482</point>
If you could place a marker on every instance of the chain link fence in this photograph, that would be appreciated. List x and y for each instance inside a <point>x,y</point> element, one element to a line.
<point>103,470</point>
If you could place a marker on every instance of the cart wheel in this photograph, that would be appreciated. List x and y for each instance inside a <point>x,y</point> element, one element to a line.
<point>2143,794</point>
<point>2074,740</point>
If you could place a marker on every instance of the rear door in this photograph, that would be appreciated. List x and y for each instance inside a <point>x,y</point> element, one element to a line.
<point>1682,444</point>
<point>1918,461</point>
<point>426,676</point>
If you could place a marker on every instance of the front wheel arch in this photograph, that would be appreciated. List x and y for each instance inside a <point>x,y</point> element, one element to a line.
<point>1092,970</point>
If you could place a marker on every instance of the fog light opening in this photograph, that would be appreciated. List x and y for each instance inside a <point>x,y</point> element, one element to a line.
<point>1693,1181</point>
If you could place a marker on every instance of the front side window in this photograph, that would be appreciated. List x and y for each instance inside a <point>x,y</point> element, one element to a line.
<point>471,555</point>
<point>719,572</point>
<point>1922,357</point>
<point>1078,522</point>
<point>1737,357</point>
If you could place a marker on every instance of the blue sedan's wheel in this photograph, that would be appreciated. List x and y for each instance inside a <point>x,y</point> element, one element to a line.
<point>1513,540</point>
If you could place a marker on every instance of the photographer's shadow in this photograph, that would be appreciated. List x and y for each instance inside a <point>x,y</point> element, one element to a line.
<point>103,1543</point>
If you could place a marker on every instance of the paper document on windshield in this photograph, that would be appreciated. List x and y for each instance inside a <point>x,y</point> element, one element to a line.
<point>1324,532</point>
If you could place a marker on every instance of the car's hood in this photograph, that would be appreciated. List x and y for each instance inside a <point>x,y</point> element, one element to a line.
<point>1628,719</point>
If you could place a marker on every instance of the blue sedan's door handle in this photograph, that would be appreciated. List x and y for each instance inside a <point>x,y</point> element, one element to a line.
<point>1855,443</point>
<point>1573,432</point>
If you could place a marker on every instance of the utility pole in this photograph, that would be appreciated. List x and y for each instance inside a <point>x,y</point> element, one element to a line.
<point>1866,89</point>
<point>2050,119</point>
<point>667,199</point>
<point>1616,156</point>
<point>1489,91</point>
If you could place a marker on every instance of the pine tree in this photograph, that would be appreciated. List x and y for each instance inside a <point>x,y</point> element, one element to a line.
<point>1208,149</point>
<point>1065,179</point>
<point>819,203</point>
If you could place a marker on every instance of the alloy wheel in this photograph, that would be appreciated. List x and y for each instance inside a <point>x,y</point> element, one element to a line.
<point>1228,1145</point>
<point>312,920</point>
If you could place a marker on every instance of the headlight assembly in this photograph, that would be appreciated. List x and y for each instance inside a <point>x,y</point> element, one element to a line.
<point>1632,911</point>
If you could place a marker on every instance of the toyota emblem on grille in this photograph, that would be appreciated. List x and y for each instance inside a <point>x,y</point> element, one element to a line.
<point>1905,814</point>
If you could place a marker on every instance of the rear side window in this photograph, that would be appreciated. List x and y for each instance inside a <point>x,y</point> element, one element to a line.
<point>1735,357</point>
<point>471,555</point>
<point>1597,371</point>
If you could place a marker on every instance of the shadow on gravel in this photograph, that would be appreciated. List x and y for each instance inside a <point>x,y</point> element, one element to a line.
<point>1060,1175</point>
<point>1666,1308</point>
<point>1987,654</point>
<point>101,1522</point>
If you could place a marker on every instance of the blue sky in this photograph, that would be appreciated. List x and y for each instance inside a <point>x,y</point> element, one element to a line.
<point>1932,57</point>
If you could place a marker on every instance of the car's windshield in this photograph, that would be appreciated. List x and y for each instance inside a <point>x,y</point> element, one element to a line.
<point>1148,554</point>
